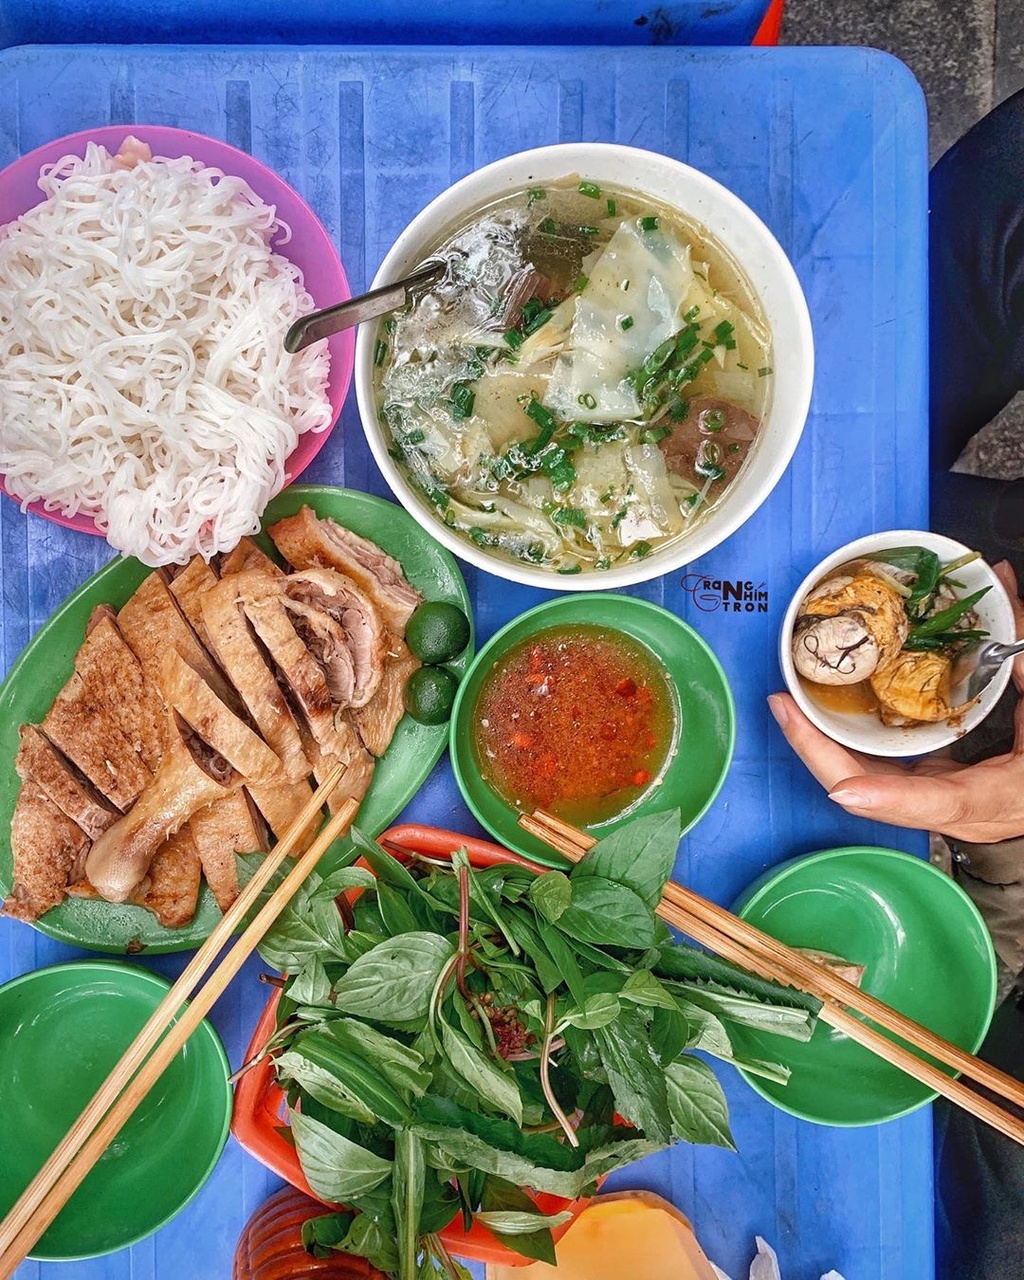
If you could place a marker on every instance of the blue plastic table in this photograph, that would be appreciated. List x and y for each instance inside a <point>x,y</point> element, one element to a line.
<point>829,146</point>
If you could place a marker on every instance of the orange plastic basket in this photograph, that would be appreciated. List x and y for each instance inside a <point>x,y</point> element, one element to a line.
<point>259,1123</point>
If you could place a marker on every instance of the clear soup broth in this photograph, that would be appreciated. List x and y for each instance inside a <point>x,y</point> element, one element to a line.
<point>583,384</point>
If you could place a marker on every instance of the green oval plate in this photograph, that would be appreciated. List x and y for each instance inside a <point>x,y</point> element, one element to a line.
<point>706,725</point>
<point>926,952</point>
<point>48,660</point>
<point>63,1029</point>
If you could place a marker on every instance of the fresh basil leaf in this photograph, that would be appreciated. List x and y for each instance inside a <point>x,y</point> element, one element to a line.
<point>636,1077</point>
<point>393,983</point>
<point>705,1030</point>
<point>498,1196</point>
<point>670,1034</point>
<point>399,911</point>
<point>947,618</point>
<point>358,1075</point>
<point>639,855</point>
<point>494,1086</point>
<point>528,938</point>
<point>373,1239</point>
<point>550,893</point>
<point>338,1170</point>
<point>311,984</point>
<point>320,1236</point>
<point>643,988</point>
<point>607,914</point>
<point>342,879</point>
<point>407,1189</point>
<point>509,1223</point>
<point>563,958</point>
<point>399,1063</point>
<point>598,1011</point>
<point>323,1085</point>
<point>697,1104</point>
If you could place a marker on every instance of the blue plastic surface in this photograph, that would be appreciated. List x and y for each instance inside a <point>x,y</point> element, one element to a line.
<point>348,22</point>
<point>829,146</point>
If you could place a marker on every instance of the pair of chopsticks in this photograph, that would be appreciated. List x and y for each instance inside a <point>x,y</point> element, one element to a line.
<point>843,1006</point>
<point>161,1039</point>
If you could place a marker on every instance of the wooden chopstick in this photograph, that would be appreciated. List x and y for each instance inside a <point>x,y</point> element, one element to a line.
<point>741,943</point>
<point>120,1094</point>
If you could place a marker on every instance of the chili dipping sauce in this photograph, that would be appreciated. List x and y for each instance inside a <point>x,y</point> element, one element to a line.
<point>578,720</point>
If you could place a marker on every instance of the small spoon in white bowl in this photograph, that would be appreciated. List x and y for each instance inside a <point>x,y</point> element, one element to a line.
<point>979,665</point>
<point>368,306</point>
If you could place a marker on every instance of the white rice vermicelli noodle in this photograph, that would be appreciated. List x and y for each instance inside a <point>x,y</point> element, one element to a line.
<point>143,376</point>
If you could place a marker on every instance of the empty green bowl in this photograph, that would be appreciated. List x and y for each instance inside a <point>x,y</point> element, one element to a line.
<point>62,1029</point>
<point>706,717</point>
<point>925,950</point>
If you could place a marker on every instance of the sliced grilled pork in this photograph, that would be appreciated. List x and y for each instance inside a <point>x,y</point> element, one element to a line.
<point>261,598</point>
<point>39,761</point>
<point>240,656</point>
<point>280,803</point>
<point>190,777</point>
<point>171,889</point>
<point>228,827</point>
<point>324,638</point>
<point>188,588</point>
<point>306,541</point>
<point>247,555</point>
<point>326,592</point>
<point>106,663</point>
<point>378,720</point>
<point>46,846</point>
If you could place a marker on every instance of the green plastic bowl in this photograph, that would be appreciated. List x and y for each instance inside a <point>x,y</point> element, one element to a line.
<point>62,1030</point>
<point>706,722</point>
<point>926,952</point>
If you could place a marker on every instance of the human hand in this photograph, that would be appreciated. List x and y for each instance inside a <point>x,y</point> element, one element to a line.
<point>981,803</point>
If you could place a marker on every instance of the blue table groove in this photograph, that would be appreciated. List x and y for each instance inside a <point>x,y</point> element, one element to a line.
<point>829,147</point>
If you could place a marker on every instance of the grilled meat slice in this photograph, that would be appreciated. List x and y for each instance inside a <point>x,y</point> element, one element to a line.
<point>79,723</point>
<point>190,777</point>
<point>306,541</point>
<point>378,720</point>
<point>105,661</point>
<point>304,675</point>
<point>323,636</point>
<point>280,803</point>
<point>241,658</point>
<point>327,592</point>
<point>171,890</point>
<point>46,846</point>
<point>247,555</point>
<point>228,827</point>
<point>39,761</point>
<point>193,699</point>
<point>188,588</point>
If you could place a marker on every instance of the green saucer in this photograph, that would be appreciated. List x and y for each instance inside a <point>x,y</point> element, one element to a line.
<point>925,951</point>
<point>695,771</point>
<point>62,1029</point>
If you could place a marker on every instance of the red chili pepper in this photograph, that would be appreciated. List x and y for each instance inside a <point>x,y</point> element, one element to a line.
<point>626,688</point>
<point>641,777</point>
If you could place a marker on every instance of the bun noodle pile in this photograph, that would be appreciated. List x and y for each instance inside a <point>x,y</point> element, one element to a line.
<point>143,377</point>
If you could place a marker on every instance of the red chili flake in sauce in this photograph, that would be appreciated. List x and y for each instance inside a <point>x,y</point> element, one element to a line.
<point>577,720</point>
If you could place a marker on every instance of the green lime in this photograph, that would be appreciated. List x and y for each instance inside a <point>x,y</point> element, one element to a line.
<point>430,695</point>
<point>437,632</point>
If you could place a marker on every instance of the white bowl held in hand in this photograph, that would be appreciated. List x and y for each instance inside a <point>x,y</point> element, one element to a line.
<point>735,227</point>
<point>865,731</point>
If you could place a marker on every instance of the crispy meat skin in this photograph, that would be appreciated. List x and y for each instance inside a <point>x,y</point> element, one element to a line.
<point>119,860</point>
<point>261,598</point>
<point>171,890</point>
<point>333,594</point>
<point>46,845</point>
<point>306,542</point>
<point>39,761</point>
<point>188,588</point>
<point>247,555</point>
<point>197,704</point>
<point>228,827</point>
<point>378,720</point>
<point>242,660</point>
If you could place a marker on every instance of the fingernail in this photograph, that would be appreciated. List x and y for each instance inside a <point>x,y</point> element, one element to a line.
<point>850,799</point>
<point>777,706</point>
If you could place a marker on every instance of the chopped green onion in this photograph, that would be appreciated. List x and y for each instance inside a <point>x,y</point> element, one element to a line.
<point>692,499</point>
<point>713,420</point>
<point>723,330</point>
<point>570,515</point>
<point>380,351</point>
<point>611,208</point>
<point>415,436</point>
<point>590,189</point>
<point>735,447</point>
<point>390,324</point>
<point>651,435</point>
<point>607,495</point>
<point>534,194</point>
<point>513,339</point>
<point>463,397</point>
<point>619,516</point>
<point>543,417</point>
<point>560,470</point>
<point>603,563</point>
<point>438,497</point>
<point>678,409</point>
<point>626,323</point>
<point>571,568</point>
<point>481,537</point>
<point>587,401</point>
<point>692,314</point>
<point>590,231</point>
<point>640,551</point>
<point>537,321</point>
<point>649,223</point>
<point>548,226</point>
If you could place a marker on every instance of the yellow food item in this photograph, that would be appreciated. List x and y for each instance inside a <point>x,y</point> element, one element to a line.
<point>849,626</point>
<point>915,687</point>
<point>633,1235</point>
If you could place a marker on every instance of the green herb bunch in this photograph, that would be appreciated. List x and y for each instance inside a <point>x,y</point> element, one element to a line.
<point>454,1035</point>
<point>931,627</point>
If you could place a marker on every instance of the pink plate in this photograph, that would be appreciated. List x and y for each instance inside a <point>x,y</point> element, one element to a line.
<point>310,248</point>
